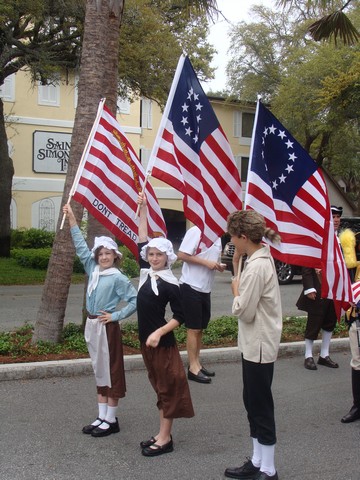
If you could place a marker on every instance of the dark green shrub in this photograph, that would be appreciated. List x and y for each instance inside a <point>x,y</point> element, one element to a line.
<point>37,258</point>
<point>130,267</point>
<point>31,238</point>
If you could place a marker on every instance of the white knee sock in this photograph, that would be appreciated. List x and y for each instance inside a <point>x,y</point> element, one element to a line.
<point>267,459</point>
<point>308,347</point>
<point>256,456</point>
<point>325,343</point>
<point>110,416</point>
<point>102,413</point>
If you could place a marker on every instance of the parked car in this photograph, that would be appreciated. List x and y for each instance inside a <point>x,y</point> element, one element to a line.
<point>286,271</point>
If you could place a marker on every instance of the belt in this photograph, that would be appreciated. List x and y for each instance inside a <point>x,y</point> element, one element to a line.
<point>91,316</point>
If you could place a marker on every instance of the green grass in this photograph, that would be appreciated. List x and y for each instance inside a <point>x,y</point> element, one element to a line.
<point>221,332</point>
<point>11,273</point>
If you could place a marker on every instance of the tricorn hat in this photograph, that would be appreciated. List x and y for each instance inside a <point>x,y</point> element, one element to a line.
<point>336,210</point>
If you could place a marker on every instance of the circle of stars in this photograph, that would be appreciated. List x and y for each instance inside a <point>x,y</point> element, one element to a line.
<point>289,169</point>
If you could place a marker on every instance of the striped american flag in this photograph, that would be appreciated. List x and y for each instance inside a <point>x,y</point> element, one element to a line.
<point>192,154</point>
<point>109,180</point>
<point>287,187</point>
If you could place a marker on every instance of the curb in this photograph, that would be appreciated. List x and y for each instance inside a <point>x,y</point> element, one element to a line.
<point>69,368</point>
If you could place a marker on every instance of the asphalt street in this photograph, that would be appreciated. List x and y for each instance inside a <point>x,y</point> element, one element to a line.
<point>20,304</point>
<point>44,406</point>
<point>41,421</point>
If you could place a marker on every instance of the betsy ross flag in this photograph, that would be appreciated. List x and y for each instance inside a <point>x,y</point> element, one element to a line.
<point>286,186</point>
<point>109,179</point>
<point>192,154</point>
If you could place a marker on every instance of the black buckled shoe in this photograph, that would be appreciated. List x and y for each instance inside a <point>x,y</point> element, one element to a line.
<point>247,472</point>
<point>199,377</point>
<point>353,415</point>
<point>154,450</point>
<point>327,362</point>
<point>104,432</point>
<point>89,428</point>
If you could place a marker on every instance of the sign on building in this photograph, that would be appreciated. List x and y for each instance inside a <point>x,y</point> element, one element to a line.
<point>51,151</point>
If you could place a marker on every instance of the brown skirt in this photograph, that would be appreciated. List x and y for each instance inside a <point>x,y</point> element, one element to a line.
<point>167,377</point>
<point>117,371</point>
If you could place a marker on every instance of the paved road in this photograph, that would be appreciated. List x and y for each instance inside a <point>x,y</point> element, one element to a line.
<point>41,424</point>
<point>19,304</point>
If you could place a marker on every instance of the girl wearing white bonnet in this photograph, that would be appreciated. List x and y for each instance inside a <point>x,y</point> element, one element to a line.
<point>158,287</point>
<point>107,287</point>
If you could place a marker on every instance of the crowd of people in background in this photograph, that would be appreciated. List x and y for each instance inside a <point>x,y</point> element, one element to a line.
<point>256,304</point>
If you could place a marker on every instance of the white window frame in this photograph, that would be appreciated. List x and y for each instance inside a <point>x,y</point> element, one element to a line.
<point>76,89</point>
<point>49,95</point>
<point>145,156</point>
<point>146,113</point>
<point>7,90</point>
<point>123,106</point>
<point>237,124</point>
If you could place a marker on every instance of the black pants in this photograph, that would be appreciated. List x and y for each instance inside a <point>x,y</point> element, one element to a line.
<point>323,318</point>
<point>258,400</point>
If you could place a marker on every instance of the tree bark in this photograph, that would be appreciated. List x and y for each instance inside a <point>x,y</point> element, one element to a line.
<point>6,177</point>
<point>98,78</point>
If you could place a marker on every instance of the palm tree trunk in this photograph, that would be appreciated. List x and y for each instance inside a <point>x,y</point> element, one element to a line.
<point>98,78</point>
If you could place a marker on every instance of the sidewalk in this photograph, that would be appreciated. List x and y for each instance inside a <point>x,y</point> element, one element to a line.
<point>67,368</point>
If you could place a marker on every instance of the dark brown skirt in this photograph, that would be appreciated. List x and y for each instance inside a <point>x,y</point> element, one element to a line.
<point>117,371</point>
<point>167,377</point>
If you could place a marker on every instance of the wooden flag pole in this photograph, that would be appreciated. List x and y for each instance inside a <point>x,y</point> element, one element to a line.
<point>142,191</point>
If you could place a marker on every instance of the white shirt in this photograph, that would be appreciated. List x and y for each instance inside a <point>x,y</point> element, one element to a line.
<point>199,277</point>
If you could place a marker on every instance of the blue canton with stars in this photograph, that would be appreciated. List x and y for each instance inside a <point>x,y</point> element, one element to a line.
<point>191,113</point>
<point>278,158</point>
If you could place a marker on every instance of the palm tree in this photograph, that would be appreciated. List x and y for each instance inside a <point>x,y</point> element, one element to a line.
<point>98,78</point>
<point>335,24</point>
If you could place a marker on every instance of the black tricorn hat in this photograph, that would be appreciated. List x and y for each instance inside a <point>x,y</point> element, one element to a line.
<point>336,210</point>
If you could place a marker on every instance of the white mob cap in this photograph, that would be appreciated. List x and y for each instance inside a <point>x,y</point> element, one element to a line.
<point>162,244</point>
<point>105,242</point>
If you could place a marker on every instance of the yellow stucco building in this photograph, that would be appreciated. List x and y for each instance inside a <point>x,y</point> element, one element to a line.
<point>39,123</point>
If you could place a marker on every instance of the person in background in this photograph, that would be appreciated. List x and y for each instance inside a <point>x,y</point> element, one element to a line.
<point>353,320</point>
<point>196,281</point>
<point>257,304</point>
<point>321,311</point>
<point>157,287</point>
<point>107,287</point>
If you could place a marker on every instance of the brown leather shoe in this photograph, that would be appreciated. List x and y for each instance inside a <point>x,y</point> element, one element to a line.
<point>310,364</point>
<point>327,362</point>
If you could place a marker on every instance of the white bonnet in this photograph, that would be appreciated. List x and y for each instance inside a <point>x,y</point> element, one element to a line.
<point>105,242</point>
<point>162,244</point>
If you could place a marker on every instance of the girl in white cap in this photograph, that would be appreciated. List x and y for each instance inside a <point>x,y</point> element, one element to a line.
<point>107,287</point>
<point>157,287</point>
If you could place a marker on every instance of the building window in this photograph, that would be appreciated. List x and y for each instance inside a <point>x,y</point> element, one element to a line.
<point>144,157</point>
<point>244,168</point>
<point>247,124</point>
<point>49,95</point>
<point>146,113</point>
<point>47,215</point>
<point>123,106</point>
<point>243,126</point>
<point>7,90</point>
